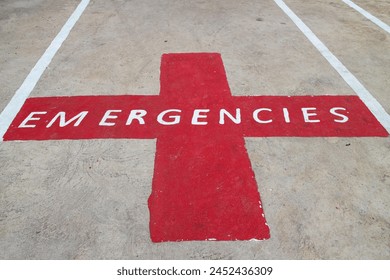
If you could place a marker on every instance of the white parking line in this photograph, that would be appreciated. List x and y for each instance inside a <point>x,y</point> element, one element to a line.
<point>20,96</point>
<point>372,104</point>
<point>369,16</point>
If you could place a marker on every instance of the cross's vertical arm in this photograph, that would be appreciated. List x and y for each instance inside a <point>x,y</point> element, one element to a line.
<point>203,184</point>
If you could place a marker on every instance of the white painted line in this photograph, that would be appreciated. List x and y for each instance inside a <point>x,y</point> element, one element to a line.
<point>20,96</point>
<point>369,16</point>
<point>372,104</point>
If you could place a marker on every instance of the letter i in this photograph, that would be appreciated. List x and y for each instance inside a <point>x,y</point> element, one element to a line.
<point>286,115</point>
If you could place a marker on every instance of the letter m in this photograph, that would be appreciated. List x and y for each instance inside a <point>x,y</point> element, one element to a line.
<point>61,115</point>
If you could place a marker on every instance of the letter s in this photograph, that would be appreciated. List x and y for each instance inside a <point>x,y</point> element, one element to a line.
<point>343,119</point>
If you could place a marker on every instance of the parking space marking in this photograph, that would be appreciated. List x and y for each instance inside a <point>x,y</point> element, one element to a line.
<point>373,105</point>
<point>203,184</point>
<point>369,16</point>
<point>28,85</point>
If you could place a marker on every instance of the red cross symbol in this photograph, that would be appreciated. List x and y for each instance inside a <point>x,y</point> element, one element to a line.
<point>203,185</point>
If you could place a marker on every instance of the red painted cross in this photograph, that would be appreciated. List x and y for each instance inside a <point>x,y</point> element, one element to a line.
<point>203,184</point>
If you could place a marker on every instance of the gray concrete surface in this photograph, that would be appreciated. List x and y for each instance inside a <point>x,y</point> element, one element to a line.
<point>324,198</point>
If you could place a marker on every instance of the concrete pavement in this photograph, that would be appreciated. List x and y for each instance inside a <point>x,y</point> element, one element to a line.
<point>323,197</point>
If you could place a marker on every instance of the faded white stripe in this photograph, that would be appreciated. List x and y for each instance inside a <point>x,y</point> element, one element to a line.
<point>372,104</point>
<point>20,96</point>
<point>369,16</point>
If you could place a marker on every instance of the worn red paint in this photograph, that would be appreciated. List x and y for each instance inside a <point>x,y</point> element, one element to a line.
<point>203,184</point>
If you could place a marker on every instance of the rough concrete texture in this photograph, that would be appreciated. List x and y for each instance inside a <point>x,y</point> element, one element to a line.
<point>324,198</point>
